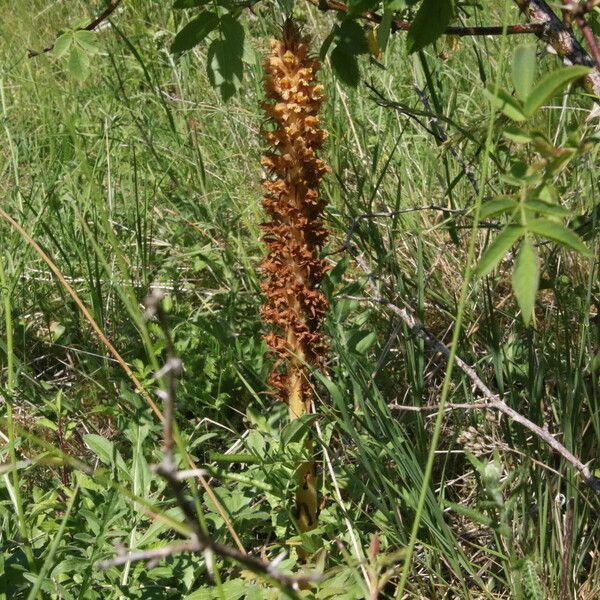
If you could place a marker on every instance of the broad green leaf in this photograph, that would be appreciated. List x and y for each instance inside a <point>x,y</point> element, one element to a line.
<point>498,248</point>
<point>366,342</point>
<point>88,41</point>
<point>517,135</point>
<point>79,63</point>
<point>559,233</point>
<point>100,446</point>
<point>510,106</point>
<point>351,35</point>
<point>429,23</point>
<point>546,208</point>
<point>497,206</point>
<point>551,84</point>
<point>523,70</point>
<point>44,422</point>
<point>195,31</point>
<point>224,61</point>
<point>526,279</point>
<point>62,44</point>
<point>345,66</point>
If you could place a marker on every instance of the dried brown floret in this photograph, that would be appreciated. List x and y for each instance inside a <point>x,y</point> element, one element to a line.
<point>294,235</point>
<point>292,270</point>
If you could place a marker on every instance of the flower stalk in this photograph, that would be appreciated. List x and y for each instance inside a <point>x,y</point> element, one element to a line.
<point>292,270</point>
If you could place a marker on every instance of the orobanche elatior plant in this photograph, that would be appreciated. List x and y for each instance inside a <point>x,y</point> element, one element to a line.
<point>292,270</point>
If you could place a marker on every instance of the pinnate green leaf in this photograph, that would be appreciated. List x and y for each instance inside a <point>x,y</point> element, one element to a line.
<point>498,206</point>
<point>526,279</point>
<point>79,63</point>
<point>510,106</point>
<point>62,44</point>
<point>558,233</point>
<point>195,31</point>
<point>87,40</point>
<point>523,70</point>
<point>551,84</point>
<point>498,248</point>
<point>429,23</point>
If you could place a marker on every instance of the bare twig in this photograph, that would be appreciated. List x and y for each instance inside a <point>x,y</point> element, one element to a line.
<point>561,38</point>
<point>399,25</point>
<point>493,401</point>
<point>578,11</point>
<point>435,407</point>
<point>199,540</point>
<point>112,6</point>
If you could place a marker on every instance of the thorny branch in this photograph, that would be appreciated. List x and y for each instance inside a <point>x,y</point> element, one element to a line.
<point>199,541</point>
<point>399,25</point>
<point>492,401</point>
<point>112,6</point>
<point>560,37</point>
<point>578,11</point>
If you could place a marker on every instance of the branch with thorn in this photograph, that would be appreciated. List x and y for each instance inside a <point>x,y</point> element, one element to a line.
<point>560,37</point>
<point>199,540</point>
<point>399,25</point>
<point>577,11</point>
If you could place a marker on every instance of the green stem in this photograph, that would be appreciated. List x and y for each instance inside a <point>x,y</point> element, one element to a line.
<point>10,386</point>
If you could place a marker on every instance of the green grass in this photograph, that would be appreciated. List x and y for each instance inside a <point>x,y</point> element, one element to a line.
<point>141,176</point>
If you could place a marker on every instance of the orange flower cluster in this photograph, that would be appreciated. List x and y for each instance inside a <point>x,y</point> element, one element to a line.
<point>294,236</point>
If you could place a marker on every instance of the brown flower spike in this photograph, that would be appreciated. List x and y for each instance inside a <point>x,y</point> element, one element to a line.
<point>292,270</point>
